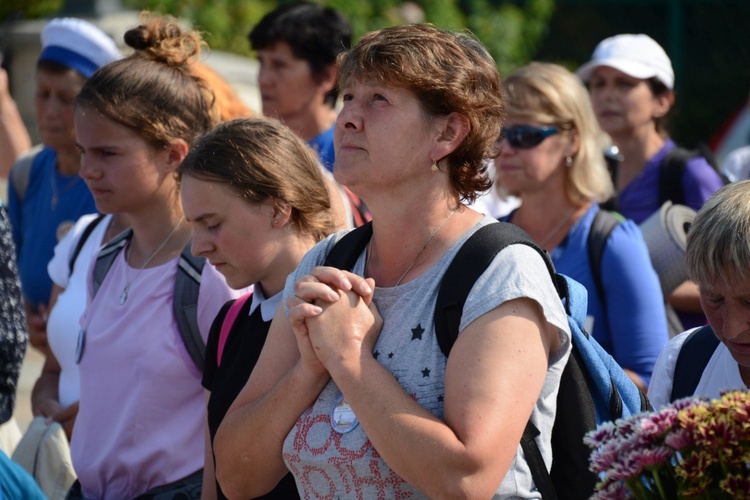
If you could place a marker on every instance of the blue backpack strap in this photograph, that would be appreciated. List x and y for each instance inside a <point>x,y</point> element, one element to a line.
<point>185,304</point>
<point>694,355</point>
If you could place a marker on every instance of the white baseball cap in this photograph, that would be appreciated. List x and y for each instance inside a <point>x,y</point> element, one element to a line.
<point>77,44</point>
<point>638,56</point>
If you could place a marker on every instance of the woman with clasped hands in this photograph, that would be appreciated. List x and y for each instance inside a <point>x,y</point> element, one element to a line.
<point>352,393</point>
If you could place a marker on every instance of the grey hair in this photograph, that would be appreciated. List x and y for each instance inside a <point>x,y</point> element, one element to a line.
<point>718,242</point>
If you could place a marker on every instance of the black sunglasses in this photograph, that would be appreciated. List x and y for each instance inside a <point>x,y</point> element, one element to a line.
<point>526,136</point>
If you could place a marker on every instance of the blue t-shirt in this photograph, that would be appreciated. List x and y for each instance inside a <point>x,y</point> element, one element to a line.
<point>323,145</point>
<point>15,482</point>
<point>640,198</point>
<point>634,327</point>
<point>51,205</point>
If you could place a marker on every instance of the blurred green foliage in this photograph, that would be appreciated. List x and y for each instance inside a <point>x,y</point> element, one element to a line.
<point>11,10</point>
<point>512,30</point>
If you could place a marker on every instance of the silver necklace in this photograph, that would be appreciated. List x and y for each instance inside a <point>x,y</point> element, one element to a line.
<point>555,229</point>
<point>128,281</point>
<point>369,250</point>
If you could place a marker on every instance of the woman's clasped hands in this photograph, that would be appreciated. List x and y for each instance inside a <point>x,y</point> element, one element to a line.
<point>334,319</point>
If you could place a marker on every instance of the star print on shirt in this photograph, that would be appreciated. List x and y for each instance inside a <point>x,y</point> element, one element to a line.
<point>416,333</point>
<point>390,355</point>
<point>425,373</point>
<point>376,354</point>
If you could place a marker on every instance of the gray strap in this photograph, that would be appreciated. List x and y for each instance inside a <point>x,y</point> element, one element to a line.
<point>21,172</point>
<point>186,290</point>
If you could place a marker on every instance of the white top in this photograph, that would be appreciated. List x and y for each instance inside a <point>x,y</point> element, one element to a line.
<point>63,323</point>
<point>490,202</point>
<point>722,373</point>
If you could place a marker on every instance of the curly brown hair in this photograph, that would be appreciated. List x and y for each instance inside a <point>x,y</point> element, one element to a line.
<point>448,72</point>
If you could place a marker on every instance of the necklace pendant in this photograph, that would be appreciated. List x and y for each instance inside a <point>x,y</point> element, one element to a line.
<point>124,295</point>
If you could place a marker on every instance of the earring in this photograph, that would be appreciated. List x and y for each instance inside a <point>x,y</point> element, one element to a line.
<point>569,161</point>
<point>434,167</point>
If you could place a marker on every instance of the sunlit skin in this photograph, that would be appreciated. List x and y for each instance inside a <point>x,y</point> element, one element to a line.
<point>537,169</point>
<point>624,106</point>
<point>727,308</point>
<point>288,89</point>
<point>53,104</point>
<point>120,168</point>
<point>367,150</point>
<point>237,237</point>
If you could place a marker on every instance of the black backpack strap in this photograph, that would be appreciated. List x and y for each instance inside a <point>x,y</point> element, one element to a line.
<point>601,228</point>
<point>347,250</point>
<point>107,256</point>
<point>542,479</point>
<point>82,241</point>
<point>185,304</point>
<point>694,355</point>
<point>470,262</point>
<point>670,175</point>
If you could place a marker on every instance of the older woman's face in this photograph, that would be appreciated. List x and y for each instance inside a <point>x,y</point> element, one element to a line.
<point>727,308</point>
<point>623,104</point>
<point>523,170</point>
<point>382,136</point>
<point>53,104</point>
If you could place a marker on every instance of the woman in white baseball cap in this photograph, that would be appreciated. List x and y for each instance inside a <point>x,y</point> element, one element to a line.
<point>631,83</point>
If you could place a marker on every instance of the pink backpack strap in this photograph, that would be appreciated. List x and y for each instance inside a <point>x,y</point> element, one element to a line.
<point>228,322</point>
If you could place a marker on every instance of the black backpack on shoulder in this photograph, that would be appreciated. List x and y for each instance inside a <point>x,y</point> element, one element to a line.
<point>593,387</point>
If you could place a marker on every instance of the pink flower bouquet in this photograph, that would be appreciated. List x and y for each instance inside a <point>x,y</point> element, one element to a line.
<point>692,448</point>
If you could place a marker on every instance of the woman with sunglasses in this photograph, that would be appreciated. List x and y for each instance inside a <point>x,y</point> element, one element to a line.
<point>551,158</point>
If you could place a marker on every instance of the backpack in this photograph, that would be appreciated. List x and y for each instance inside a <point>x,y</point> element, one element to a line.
<point>673,167</point>
<point>692,359</point>
<point>82,241</point>
<point>21,171</point>
<point>671,171</point>
<point>186,289</point>
<point>593,388</point>
<point>226,325</point>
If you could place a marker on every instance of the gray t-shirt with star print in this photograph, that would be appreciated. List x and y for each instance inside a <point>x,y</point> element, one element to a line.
<point>329,464</point>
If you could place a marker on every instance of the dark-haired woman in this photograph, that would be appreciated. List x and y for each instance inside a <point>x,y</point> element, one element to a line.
<point>631,82</point>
